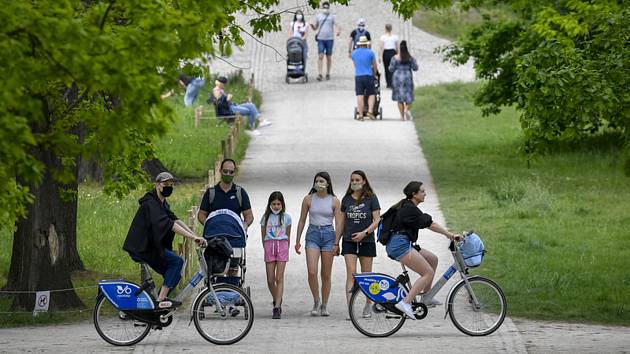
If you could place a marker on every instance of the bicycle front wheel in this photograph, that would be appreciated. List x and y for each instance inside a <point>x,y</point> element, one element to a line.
<point>480,317</point>
<point>116,327</point>
<point>370,318</point>
<point>226,321</point>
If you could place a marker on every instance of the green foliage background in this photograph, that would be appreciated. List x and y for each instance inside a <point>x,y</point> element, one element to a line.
<point>565,65</point>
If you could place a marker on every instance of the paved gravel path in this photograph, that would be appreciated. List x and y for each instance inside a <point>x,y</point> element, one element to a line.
<point>313,130</point>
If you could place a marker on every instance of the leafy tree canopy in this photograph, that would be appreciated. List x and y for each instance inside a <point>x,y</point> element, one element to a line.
<point>565,64</point>
<point>84,78</point>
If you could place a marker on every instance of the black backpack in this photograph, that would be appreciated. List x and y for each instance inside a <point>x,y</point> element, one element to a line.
<point>386,226</point>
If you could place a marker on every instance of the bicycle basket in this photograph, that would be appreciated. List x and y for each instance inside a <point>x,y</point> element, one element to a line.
<point>472,250</point>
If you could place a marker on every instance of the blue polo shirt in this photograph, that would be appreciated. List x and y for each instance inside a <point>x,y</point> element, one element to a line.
<point>223,200</point>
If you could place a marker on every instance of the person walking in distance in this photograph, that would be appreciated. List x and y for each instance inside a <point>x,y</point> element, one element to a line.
<point>323,208</point>
<point>299,28</point>
<point>402,66</point>
<point>364,70</point>
<point>327,28</point>
<point>389,46</point>
<point>356,34</point>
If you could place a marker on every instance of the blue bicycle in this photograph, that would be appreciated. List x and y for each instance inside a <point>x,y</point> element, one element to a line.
<point>476,305</point>
<point>125,312</point>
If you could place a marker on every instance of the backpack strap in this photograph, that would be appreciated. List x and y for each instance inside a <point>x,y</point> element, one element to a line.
<point>239,195</point>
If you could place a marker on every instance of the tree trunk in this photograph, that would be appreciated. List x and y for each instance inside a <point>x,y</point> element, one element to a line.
<point>153,167</point>
<point>44,244</point>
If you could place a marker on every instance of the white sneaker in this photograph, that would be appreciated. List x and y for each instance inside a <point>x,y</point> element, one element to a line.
<point>264,123</point>
<point>406,308</point>
<point>367,311</point>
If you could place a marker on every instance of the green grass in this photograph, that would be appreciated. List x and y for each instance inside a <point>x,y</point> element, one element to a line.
<point>103,220</point>
<point>450,23</point>
<point>556,232</point>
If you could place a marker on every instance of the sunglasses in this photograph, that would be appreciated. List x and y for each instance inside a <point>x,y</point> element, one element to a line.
<point>227,172</point>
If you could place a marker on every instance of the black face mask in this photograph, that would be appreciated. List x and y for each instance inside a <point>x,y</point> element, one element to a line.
<point>167,191</point>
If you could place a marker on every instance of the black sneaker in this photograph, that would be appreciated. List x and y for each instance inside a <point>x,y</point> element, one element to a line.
<point>169,304</point>
<point>275,314</point>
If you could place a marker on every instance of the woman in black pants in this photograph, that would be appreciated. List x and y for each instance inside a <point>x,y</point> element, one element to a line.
<point>389,47</point>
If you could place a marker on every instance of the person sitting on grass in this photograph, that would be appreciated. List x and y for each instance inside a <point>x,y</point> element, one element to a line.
<point>225,106</point>
<point>150,237</point>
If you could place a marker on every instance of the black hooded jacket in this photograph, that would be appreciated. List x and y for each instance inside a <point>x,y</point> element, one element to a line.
<point>409,219</point>
<point>151,231</point>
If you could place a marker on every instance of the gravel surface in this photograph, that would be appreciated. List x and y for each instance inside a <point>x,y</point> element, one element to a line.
<point>313,130</point>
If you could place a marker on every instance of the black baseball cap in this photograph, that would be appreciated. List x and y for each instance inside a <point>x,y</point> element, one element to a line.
<point>222,79</point>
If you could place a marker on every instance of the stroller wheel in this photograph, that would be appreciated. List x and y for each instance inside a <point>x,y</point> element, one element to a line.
<point>380,113</point>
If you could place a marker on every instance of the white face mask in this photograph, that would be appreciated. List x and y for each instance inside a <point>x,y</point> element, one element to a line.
<point>356,186</point>
<point>275,212</point>
<point>320,186</point>
<point>299,17</point>
<point>326,11</point>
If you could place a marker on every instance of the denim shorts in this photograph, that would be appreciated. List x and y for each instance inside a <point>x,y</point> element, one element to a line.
<point>398,246</point>
<point>325,46</point>
<point>320,237</point>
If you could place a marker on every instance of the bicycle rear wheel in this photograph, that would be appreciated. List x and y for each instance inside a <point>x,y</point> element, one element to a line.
<point>226,322</point>
<point>483,318</point>
<point>370,318</point>
<point>115,327</point>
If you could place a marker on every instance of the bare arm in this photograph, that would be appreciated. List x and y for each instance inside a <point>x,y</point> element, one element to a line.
<point>248,215</point>
<point>303,212</point>
<point>435,227</point>
<point>263,232</point>
<point>374,67</point>
<point>177,228</point>
<point>376,218</point>
<point>381,50</point>
<point>202,215</point>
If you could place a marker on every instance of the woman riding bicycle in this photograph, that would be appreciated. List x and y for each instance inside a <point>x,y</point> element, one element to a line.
<point>409,219</point>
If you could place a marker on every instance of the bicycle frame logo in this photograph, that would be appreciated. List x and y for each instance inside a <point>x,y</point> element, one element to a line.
<point>123,290</point>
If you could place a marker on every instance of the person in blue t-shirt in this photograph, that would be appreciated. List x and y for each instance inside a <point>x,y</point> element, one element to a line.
<point>364,70</point>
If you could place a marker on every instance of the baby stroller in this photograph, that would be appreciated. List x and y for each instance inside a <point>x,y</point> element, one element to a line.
<point>377,109</point>
<point>296,61</point>
<point>227,225</point>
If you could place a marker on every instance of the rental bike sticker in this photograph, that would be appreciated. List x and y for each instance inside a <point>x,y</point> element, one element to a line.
<point>374,288</point>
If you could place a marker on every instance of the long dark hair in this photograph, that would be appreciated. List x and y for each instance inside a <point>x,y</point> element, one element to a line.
<point>405,57</point>
<point>295,16</point>
<point>411,188</point>
<point>277,195</point>
<point>326,176</point>
<point>367,189</point>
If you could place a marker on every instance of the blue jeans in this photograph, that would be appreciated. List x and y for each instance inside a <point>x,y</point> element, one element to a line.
<point>246,109</point>
<point>171,270</point>
<point>192,90</point>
